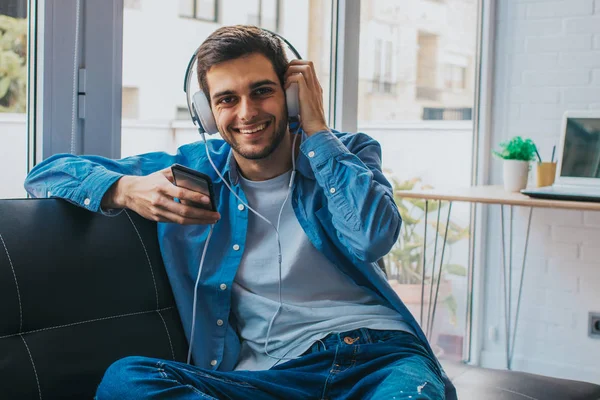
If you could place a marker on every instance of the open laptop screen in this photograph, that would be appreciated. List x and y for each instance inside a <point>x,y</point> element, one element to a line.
<point>581,152</point>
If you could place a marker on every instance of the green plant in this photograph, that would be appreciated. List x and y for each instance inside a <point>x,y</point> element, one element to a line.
<point>404,263</point>
<point>517,148</point>
<point>13,64</point>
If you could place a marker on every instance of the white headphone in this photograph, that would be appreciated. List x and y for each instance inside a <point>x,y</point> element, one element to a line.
<point>199,106</point>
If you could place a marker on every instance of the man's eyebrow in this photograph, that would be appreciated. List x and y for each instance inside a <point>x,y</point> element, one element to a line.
<point>262,83</point>
<point>252,86</point>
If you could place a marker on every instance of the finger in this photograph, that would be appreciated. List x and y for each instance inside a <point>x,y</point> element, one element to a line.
<point>185,194</point>
<point>302,86</point>
<point>188,212</point>
<point>310,67</point>
<point>167,173</point>
<point>168,216</point>
<point>306,71</point>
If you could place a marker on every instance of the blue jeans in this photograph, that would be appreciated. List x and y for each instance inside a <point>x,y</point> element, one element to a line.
<point>358,364</point>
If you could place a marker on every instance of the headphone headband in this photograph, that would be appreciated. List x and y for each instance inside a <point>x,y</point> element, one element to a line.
<point>188,70</point>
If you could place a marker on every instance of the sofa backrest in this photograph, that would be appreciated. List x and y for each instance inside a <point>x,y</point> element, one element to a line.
<point>78,291</point>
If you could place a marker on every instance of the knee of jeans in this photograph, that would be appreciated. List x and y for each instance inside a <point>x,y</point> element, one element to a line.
<point>120,377</point>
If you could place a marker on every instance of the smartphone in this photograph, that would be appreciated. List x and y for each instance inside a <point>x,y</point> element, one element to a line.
<point>197,181</point>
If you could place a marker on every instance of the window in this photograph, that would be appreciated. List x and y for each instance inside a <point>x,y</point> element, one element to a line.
<point>420,110</point>
<point>155,114</point>
<point>427,67</point>
<point>199,9</point>
<point>263,13</point>
<point>130,103</point>
<point>383,38</point>
<point>455,76</point>
<point>14,86</point>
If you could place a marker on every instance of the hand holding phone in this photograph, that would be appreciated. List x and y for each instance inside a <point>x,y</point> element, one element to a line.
<point>197,181</point>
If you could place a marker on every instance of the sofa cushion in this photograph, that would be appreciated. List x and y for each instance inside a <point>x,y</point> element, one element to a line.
<point>78,291</point>
<point>475,383</point>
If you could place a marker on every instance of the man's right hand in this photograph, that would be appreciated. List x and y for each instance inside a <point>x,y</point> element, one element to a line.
<point>152,196</point>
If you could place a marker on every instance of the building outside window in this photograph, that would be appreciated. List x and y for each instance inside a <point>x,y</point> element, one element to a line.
<point>206,10</point>
<point>264,13</point>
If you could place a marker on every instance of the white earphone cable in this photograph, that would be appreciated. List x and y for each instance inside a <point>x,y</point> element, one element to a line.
<point>189,357</point>
<point>290,185</point>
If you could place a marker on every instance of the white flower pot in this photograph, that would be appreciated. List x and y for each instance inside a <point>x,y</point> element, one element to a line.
<point>515,175</point>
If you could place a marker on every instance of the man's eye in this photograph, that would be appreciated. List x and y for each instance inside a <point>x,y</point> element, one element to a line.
<point>225,100</point>
<point>263,91</point>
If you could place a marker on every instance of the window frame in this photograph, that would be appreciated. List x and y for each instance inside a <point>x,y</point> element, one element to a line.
<point>195,13</point>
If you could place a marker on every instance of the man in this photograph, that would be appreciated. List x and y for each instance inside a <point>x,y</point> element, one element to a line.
<point>339,331</point>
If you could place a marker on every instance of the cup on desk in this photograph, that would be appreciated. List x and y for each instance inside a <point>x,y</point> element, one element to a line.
<point>545,172</point>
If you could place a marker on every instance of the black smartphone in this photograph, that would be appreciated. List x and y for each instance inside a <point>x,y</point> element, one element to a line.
<point>197,181</point>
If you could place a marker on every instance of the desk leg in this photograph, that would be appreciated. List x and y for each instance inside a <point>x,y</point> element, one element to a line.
<point>433,297</point>
<point>511,331</point>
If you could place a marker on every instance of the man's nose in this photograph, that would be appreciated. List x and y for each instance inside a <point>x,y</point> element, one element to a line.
<point>248,109</point>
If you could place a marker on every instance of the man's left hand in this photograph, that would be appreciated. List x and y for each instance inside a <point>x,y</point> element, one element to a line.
<point>310,95</point>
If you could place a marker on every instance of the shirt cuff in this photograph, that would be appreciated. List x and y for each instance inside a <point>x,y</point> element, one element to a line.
<point>322,146</point>
<point>93,189</point>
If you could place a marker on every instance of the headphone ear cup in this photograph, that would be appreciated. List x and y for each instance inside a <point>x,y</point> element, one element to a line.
<point>292,101</point>
<point>205,115</point>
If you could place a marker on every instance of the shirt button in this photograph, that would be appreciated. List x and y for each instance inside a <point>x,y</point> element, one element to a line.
<point>311,154</point>
<point>223,286</point>
<point>241,207</point>
<point>87,202</point>
<point>332,190</point>
<point>236,247</point>
<point>220,322</point>
<point>213,362</point>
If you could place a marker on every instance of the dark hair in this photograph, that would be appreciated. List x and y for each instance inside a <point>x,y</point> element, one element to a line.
<point>231,42</point>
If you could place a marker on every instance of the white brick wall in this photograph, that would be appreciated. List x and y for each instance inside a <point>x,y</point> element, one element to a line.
<point>547,62</point>
<point>545,9</point>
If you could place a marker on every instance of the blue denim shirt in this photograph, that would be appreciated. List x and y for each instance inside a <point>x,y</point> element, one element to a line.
<point>340,196</point>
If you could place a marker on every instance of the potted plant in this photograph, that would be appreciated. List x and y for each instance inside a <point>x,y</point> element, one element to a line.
<point>404,263</point>
<point>516,153</point>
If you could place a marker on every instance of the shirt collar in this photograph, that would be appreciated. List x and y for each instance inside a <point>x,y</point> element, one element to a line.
<point>230,171</point>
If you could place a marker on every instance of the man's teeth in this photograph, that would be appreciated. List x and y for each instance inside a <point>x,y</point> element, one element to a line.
<point>258,128</point>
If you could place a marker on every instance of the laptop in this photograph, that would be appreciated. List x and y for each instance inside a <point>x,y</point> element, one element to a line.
<point>578,166</point>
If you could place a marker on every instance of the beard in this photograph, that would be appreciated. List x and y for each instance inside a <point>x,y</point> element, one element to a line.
<point>279,134</point>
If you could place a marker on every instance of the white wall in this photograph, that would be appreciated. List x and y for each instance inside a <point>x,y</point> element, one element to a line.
<point>547,61</point>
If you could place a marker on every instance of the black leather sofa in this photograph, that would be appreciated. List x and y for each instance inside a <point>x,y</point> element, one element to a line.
<point>80,290</point>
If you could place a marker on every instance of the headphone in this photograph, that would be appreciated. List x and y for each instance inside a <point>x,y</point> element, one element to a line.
<point>199,106</point>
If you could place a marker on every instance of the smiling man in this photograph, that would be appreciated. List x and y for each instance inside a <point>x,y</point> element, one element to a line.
<point>302,314</point>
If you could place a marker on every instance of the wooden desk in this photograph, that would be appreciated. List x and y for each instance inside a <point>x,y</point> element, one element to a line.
<point>487,195</point>
<point>495,194</point>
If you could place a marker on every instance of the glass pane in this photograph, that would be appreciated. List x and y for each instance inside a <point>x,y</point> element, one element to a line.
<point>205,9</point>
<point>252,12</point>
<point>186,8</point>
<point>269,14</point>
<point>13,97</point>
<point>416,94</point>
<point>155,115</point>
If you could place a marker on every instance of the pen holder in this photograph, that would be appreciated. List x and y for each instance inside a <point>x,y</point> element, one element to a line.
<point>545,172</point>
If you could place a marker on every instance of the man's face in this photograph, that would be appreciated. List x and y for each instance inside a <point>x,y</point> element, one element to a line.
<point>248,103</point>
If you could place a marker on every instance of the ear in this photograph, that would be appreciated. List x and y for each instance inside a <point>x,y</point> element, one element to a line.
<point>204,113</point>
